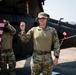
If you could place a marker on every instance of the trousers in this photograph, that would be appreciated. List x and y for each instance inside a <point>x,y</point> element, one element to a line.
<point>41,63</point>
<point>8,57</point>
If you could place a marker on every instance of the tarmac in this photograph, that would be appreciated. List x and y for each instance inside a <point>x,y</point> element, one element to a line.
<point>66,65</point>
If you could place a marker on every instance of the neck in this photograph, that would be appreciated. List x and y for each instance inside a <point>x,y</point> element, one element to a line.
<point>42,26</point>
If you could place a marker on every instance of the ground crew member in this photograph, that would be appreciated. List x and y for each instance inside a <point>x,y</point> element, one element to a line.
<point>7,54</point>
<point>43,37</point>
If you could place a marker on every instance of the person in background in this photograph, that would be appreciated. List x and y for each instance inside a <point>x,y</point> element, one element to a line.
<point>43,37</point>
<point>7,53</point>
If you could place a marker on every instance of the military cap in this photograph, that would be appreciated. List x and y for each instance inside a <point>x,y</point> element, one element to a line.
<point>43,15</point>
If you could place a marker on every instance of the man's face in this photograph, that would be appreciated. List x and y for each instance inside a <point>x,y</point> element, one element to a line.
<point>42,20</point>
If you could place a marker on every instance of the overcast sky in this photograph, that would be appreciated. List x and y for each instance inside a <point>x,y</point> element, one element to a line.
<point>61,9</point>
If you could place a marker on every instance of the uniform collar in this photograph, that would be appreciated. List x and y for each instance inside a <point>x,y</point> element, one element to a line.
<point>46,28</point>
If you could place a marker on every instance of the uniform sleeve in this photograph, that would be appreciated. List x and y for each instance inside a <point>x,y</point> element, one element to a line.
<point>56,44</point>
<point>11,29</point>
<point>26,36</point>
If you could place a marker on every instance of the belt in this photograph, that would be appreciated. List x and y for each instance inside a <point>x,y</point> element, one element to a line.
<point>42,52</point>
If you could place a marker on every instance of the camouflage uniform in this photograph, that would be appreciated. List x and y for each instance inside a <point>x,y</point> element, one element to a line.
<point>43,38</point>
<point>7,54</point>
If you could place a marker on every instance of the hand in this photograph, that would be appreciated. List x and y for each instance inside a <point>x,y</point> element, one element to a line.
<point>22,26</point>
<point>4,21</point>
<point>55,61</point>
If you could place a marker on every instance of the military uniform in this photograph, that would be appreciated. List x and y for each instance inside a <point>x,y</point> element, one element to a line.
<point>43,38</point>
<point>7,54</point>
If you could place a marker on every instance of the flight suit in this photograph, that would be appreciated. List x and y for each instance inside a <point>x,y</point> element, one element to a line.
<point>7,54</point>
<point>43,38</point>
